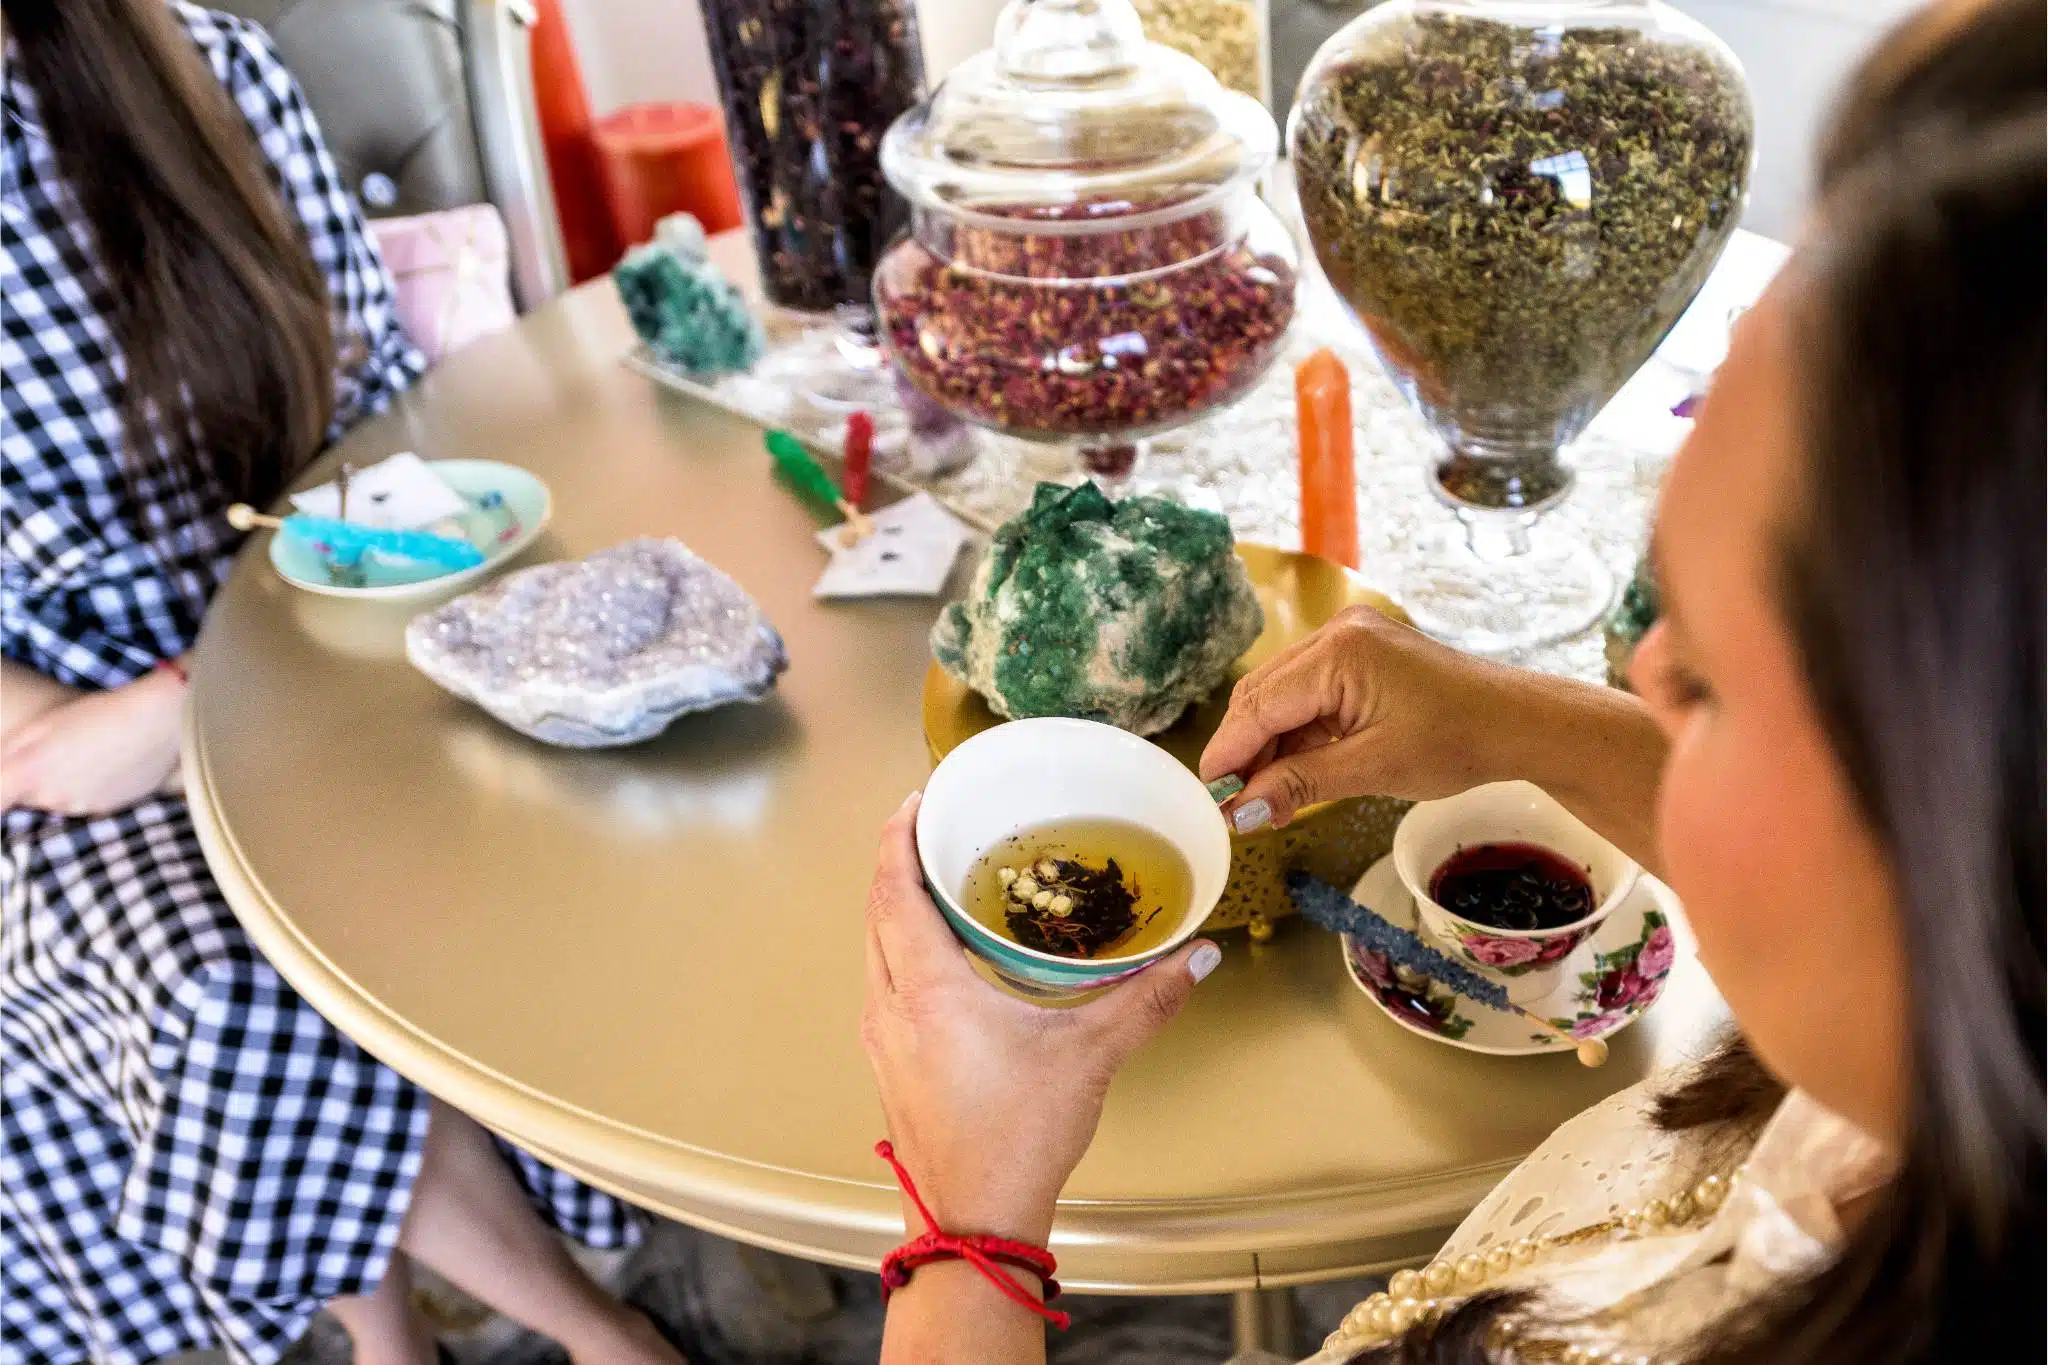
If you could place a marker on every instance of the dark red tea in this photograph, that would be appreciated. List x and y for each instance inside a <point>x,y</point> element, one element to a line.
<point>1512,886</point>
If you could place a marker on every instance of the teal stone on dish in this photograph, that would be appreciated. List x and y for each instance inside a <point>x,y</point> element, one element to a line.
<point>508,508</point>
<point>687,312</point>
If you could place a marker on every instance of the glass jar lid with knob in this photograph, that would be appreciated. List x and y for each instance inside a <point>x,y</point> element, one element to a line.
<point>1089,260</point>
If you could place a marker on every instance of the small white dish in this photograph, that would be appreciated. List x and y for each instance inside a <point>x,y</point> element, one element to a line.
<point>1608,982</point>
<point>526,507</point>
<point>1026,773</point>
<point>1529,962</point>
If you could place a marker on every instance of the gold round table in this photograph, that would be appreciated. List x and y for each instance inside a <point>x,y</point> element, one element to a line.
<point>645,964</point>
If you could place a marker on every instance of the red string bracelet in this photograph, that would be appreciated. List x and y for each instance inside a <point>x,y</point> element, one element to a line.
<point>174,668</point>
<point>986,1254</point>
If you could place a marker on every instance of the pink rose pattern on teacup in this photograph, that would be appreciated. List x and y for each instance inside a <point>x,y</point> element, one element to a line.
<point>1625,982</point>
<point>1514,956</point>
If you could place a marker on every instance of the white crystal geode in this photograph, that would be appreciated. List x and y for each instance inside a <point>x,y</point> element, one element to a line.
<point>605,650</point>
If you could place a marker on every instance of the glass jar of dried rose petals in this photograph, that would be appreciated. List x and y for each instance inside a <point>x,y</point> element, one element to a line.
<point>1088,260</point>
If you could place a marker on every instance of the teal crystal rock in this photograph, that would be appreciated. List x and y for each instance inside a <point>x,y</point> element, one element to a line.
<point>1119,612</point>
<point>691,315</point>
<point>1630,621</point>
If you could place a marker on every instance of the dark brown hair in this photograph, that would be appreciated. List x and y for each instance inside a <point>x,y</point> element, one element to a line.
<point>1912,579</point>
<point>220,314</point>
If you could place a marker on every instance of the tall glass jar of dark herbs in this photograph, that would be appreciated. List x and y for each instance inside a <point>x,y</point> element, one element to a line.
<point>1517,199</point>
<point>809,87</point>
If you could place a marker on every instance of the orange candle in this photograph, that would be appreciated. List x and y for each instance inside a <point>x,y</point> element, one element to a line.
<point>1329,489</point>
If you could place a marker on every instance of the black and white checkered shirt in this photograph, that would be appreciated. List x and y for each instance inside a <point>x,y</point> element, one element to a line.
<point>190,1156</point>
<point>85,600</point>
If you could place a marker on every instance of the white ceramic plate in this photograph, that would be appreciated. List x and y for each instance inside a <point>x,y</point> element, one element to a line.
<point>528,506</point>
<point>1625,964</point>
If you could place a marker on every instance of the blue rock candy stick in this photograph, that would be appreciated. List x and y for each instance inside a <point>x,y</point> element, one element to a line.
<point>1324,904</point>
<point>347,541</point>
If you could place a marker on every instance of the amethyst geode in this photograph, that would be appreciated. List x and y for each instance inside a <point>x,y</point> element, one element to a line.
<point>605,650</point>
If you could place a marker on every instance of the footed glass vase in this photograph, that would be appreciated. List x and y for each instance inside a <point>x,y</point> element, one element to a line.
<point>1517,199</point>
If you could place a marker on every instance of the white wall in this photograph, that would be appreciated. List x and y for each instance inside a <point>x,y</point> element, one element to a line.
<point>642,51</point>
<point>1796,52</point>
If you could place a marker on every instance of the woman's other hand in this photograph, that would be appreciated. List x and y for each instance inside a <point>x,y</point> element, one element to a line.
<point>102,752</point>
<point>991,1101</point>
<point>1365,706</point>
<point>1369,707</point>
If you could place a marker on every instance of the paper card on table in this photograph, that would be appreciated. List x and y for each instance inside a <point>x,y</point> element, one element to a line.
<point>910,554</point>
<point>402,493</point>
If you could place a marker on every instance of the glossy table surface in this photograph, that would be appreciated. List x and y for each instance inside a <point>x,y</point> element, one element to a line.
<point>645,964</point>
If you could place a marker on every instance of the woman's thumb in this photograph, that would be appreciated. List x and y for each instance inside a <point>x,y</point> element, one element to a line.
<point>1134,1011</point>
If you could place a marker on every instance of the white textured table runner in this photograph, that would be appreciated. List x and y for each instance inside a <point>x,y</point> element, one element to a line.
<point>1241,461</point>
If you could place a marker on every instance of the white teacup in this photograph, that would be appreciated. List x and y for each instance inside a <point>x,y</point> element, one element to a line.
<point>1041,771</point>
<point>1529,962</point>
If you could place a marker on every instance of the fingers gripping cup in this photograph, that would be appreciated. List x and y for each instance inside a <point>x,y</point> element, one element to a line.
<point>1068,854</point>
<point>1509,881</point>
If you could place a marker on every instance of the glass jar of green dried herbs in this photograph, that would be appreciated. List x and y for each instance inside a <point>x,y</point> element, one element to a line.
<point>1517,199</point>
<point>1226,36</point>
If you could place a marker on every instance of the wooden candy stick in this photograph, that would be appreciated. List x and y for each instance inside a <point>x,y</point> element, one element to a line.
<point>1590,1051</point>
<point>1329,485</point>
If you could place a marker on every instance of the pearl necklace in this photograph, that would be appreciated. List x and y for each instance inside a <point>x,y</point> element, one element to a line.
<point>1415,1297</point>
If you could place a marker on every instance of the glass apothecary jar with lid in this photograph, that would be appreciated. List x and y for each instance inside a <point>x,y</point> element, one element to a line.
<point>1088,261</point>
<point>1517,199</point>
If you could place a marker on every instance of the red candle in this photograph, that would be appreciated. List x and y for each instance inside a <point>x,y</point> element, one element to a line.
<point>860,450</point>
<point>1329,489</point>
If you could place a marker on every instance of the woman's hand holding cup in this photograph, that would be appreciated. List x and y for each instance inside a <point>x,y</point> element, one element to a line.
<point>991,1101</point>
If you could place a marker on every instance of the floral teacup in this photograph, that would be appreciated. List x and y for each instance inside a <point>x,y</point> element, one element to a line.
<point>1528,962</point>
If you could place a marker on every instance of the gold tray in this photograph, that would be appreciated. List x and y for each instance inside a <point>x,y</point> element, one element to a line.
<point>1335,840</point>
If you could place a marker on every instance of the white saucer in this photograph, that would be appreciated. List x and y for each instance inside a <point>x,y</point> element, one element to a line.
<point>1604,965</point>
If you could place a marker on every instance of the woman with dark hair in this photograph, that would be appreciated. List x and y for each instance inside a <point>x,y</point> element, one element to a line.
<point>189,1155</point>
<point>1837,762</point>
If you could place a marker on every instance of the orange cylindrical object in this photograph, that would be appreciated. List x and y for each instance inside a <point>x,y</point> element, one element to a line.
<point>1329,484</point>
<point>659,159</point>
<point>564,109</point>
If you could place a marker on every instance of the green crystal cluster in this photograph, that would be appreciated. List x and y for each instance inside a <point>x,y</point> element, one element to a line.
<point>1119,612</point>
<point>1630,621</point>
<point>690,314</point>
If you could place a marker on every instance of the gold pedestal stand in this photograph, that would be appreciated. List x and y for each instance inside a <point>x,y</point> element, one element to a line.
<point>1335,840</point>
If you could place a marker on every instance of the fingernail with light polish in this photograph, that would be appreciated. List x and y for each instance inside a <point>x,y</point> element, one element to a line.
<point>1204,960</point>
<point>1256,813</point>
